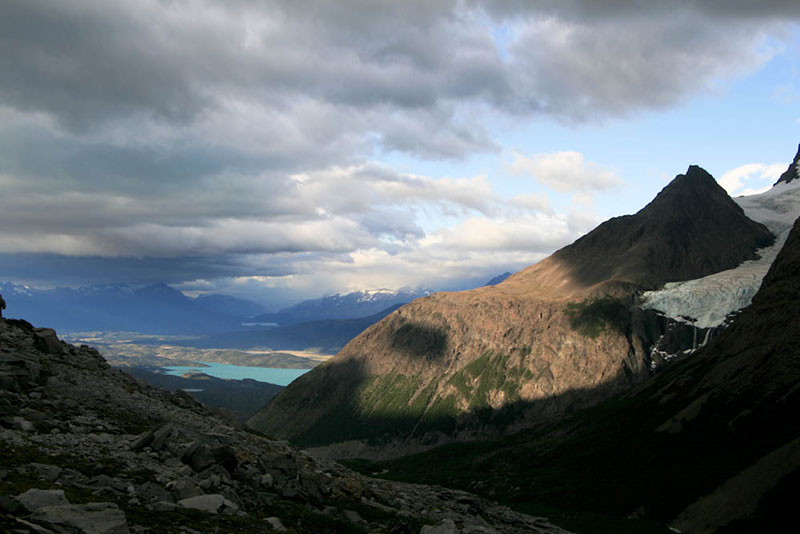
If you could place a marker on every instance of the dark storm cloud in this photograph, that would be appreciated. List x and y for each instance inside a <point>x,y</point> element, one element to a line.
<point>232,138</point>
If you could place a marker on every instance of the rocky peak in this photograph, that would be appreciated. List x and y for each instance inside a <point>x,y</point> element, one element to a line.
<point>692,228</point>
<point>793,172</point>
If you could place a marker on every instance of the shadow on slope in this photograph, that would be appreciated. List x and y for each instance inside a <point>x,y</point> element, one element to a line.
<point>712,444</point>
<point>566,324</point>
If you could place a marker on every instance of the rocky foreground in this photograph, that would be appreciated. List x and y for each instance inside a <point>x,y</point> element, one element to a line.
<point>86,448</point>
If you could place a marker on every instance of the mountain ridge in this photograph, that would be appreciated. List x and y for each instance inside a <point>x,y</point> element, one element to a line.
<point>712,444</point>
<point>557,336</point>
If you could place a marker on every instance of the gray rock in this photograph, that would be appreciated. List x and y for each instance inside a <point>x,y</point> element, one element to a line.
<point>445,527</point>
<point>33,499</point>
<point>184,488</point>
<point>213,504</point>
<point>46,471</point>
<point>152,492</point>
<point>9,504</point>
<point>47,341</point>
<point>198,456</point>
<point>18,423</point>
<point>142,440</point>
<point>267,481</point>
<point>276,524</point>
<point>92,518</point>
<point>163,506</point>
<point>161,436</point>
<point>353,516</point>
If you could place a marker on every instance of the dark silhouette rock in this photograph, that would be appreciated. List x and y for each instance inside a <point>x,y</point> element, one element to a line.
<point>793,172</point>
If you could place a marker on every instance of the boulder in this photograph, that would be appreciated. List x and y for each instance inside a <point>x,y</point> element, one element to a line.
<point>161,436</point>
<point>445,527</point>
<point>198,456</point>
<point>45,471</point>
<point>33,499</point>
<point>47,341</point>
<point>92,518</point>
<point>275,524</point>
<point>213,504</point>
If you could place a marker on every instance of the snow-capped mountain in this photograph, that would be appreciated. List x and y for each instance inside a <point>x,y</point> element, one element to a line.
<point>342,306</point>
<point>706,302</point>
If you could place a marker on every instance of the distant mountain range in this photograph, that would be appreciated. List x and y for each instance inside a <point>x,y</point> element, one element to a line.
<point>161,309</point>
<point>348,306</point>
<point>156,308</point>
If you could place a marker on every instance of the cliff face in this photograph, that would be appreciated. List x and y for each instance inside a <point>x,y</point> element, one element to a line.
<point>559,335</point>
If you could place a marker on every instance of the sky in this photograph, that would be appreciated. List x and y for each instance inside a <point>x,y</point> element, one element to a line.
<point>281,150</point>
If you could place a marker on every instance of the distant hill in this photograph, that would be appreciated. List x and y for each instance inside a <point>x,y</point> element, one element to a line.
<point>497,279</point>
<point>328,336</point>
<point>239,398</point>
<point>228,305</point>
<point>157,308</point>
<point>348,306</point>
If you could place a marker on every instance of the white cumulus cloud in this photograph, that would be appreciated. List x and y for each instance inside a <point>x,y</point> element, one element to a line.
<point>565,171</point>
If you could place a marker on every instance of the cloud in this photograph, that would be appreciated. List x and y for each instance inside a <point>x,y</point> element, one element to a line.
<point>238,140</point>
<point>751,178</point>
<point>565,171</point>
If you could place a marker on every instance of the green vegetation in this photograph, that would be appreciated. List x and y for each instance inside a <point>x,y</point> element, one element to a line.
<point>592,316</point>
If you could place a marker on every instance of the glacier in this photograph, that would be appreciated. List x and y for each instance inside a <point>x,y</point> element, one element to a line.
<point>706,302</point>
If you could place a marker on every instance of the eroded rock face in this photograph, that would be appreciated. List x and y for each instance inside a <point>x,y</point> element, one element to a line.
<point>557,336</point>
<point>136,457</point>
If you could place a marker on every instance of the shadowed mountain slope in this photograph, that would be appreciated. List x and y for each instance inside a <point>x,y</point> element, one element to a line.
<point>559,335</point>
<point>710,445</point>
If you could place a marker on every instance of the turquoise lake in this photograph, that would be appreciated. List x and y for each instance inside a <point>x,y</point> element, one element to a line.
<point>281,377</point>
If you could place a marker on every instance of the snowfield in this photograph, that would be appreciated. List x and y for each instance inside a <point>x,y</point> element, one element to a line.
<point>705,302</point>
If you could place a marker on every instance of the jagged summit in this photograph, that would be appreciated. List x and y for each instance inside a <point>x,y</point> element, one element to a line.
<point>793,172</point>
<point>691,229</point>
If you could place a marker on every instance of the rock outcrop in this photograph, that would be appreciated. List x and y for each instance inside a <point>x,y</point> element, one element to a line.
<point>557,336</point>
<point>793,172</point>
<point>86,448</point>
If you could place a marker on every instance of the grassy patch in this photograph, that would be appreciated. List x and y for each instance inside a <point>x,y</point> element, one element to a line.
<point>593,316</point>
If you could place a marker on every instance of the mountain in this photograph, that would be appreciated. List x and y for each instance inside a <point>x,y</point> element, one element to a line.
<point>228,305</point>
<point>349,306</point>
<point>712,444</point>
<point>157,308</point>
<point>86,448</point>
<point>497,279</point>
<point>326,336</point>
<point>793,172</point>
<point>555,337</point>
